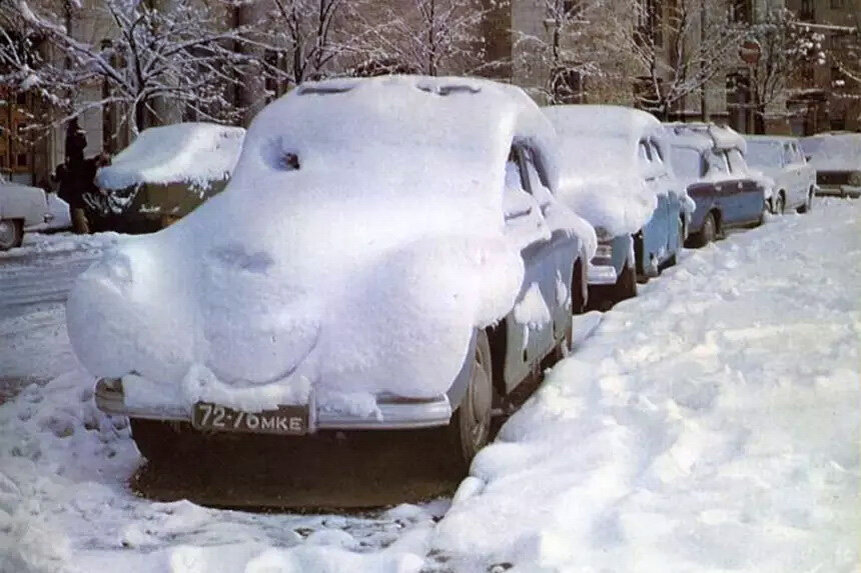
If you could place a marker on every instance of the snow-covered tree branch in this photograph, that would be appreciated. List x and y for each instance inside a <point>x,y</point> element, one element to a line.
<point>678,59</point>
<point>180,56</point>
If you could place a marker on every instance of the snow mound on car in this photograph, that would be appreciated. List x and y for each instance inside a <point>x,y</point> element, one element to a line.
<point>834,152</point>
<point>599,175</point>
<point>358,244</point>
<point>195,153</point>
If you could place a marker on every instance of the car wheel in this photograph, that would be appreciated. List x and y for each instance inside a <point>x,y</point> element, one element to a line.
<point>626,284</point>
<point>780,204</point>
<point>808,205</point>
<point>470,427</point>
<point>707,234</point>
<point>11,234</point>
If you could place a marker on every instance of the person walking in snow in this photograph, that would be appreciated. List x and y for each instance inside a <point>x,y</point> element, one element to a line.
<point>72,174</point>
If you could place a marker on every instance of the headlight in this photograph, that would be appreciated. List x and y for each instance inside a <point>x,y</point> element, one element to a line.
<point>855,179</point>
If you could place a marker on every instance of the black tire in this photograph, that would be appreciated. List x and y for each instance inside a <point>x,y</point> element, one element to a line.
<point>808,205</point>
<point>470,428</point>
<point>626,284</point>
<point>707,234</point>
<point>11,234</point>
<point>780,204</point>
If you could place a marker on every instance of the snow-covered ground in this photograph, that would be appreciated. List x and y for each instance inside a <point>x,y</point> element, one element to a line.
<point>712,424</point>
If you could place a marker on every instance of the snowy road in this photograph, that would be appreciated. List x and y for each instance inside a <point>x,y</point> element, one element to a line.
<point>34,282</point>
<point>712,424</point>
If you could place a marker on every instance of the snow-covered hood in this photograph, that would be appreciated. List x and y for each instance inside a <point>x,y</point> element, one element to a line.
<point>195,153</point>
<point>364,270</point>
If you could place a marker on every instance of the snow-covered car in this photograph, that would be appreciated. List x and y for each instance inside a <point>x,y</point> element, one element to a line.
<point>165,173</point>
<point>781,159</point>
<point>28,209</point>
<point>615,175</point>
<point>837,160</point>
<point>709,160</point>
<point>388,254</point>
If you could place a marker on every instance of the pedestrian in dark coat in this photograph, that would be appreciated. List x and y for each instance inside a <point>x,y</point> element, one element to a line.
<point>72,176</point>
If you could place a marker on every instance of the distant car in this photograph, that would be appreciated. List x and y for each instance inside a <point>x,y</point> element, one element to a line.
<point>781,159</point>
<point>837,160</point>
<point>27,209</point>
<point>616,175</point>
<point>163,175</point>
<point>388,254</point>
<point>710,161</point>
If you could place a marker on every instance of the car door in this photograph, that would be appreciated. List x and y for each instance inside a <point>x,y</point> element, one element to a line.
<point>667,186</point>
<point>530,326</point>
<point>724,187</point>
<point>747,196</point>
<point>654,233</point>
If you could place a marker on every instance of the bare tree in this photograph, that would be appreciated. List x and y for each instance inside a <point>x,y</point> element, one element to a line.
<point>432,37</point>
<point>578,48</point>
<point>680,49</point>
<point>786,47</point>
<point>181,54</point>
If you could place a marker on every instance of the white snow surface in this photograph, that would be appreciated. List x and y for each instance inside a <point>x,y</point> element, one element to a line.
<point>363,271</point>
<point>600,176</point>
<point>834,152</point>
<point>197,153</point>
<point>709,425</point>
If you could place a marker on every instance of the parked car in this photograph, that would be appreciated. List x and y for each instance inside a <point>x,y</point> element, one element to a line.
<point>837,160</point>
<point>28,209</point>
<point>163,175</point>
<point>709,160</point>
<point>616,176</point>
<point>781,159</point>
<point>388,254</point>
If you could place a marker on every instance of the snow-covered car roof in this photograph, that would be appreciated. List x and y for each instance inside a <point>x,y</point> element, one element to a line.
<point>721,137</point>
<point>834,151</point>
<point>600,176</point>
<point>197,153</point>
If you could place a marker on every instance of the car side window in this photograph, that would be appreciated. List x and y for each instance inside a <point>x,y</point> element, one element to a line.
<point>643,152</point>
<point>656,151</point>
<point>717,165</point>
<point>736,162</point>
<point>524,222</point>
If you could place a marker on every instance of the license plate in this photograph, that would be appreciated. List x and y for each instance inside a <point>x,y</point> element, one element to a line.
<point>288,420</point>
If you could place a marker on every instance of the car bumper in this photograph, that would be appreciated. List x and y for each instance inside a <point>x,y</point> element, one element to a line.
<point>396,413</point>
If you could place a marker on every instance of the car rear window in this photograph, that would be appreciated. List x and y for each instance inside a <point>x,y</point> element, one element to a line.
<point>764,153</point>
<point>687,162</point>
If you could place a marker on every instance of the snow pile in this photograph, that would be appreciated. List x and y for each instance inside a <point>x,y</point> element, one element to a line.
<point>360,241</point>
<point>834,152</point>
<point>601,179</point>
<point>710,424</point>
<point>194,153</point>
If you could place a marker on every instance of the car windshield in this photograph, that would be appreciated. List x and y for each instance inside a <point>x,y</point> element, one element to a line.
<point>764,153</point>
<point>686,162</point>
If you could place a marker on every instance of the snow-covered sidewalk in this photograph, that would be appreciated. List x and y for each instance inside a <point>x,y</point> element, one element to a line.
<point>712,424</point>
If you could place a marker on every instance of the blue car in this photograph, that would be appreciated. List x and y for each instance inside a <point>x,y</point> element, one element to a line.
<point>616,175</point>
<point>709,160</point>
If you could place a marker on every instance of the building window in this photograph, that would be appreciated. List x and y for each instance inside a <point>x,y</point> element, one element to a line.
<point>22,160</point>
<point>739,11</point>
<point>807,12</point>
